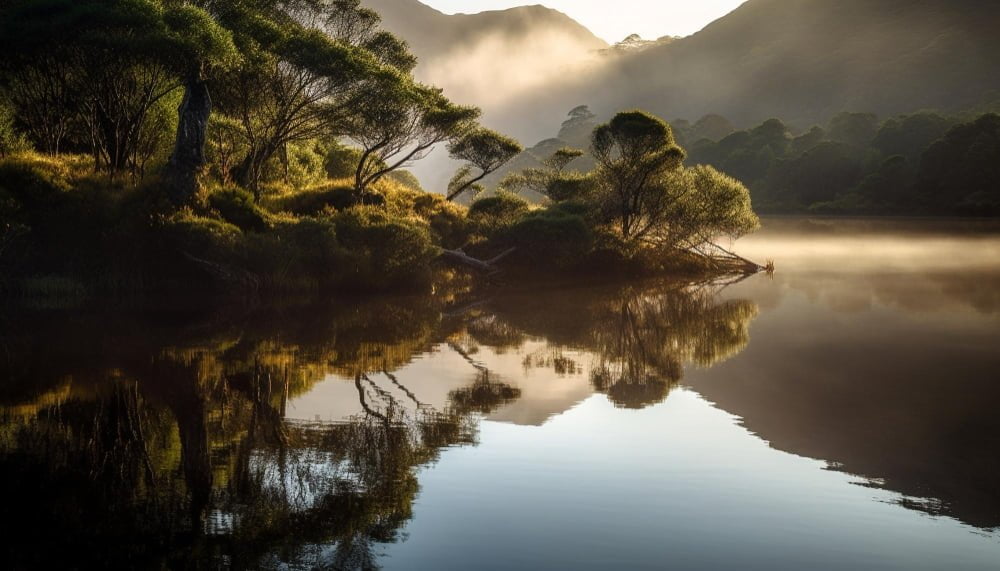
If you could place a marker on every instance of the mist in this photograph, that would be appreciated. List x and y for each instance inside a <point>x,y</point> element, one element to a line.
<point>526,67</point>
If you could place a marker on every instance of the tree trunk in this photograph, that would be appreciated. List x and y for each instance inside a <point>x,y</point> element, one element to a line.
<point>188,158</point>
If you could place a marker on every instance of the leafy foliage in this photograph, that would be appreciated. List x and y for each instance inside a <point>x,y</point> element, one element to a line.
<point>482,149</point>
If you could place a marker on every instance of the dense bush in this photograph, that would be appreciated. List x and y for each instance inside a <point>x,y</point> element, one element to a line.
<point>237,207</point>
<point>297,254</point>
<point>311,202</point>
<point>493,214</point>
<point>962,169</point>
<point>551,238</point>
<point>341,161</point>
<point>383,252</point>
<point>206,238</point>
<point>11,140</point>
<point>448,221</point>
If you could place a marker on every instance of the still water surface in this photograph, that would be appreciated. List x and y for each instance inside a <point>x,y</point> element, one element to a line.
<point>842,414</point>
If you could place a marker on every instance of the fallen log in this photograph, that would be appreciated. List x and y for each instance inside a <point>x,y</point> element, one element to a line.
<point>749,265</point>
<point>486,266</point>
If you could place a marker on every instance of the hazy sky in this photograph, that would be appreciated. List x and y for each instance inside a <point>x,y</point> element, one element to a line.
<point>615,19</point>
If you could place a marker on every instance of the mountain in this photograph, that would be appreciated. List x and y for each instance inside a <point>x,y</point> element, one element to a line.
<point>800,60</point>
<point>806,60</point>
<point>490,57</point>
<point>433,34</point>
<point>803,61</point>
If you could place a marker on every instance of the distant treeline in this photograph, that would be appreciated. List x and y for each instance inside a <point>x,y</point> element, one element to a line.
<point>922,163</point>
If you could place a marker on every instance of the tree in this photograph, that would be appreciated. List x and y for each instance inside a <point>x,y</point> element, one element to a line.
<point>551,180</point>
<point>818,175</point>
<point>402,125</point>
<point>807,140</point>
<point>856,129</point>
<point>577,129</point>
<point>961,171</point>
<point>911,135</point>
<point>100,68</point>
<point>712,127</point>
<point>301,81</point>
<point>482,149</point>
<point>11,141</point>
<point>710,205</point>
<point>772,133</point>
<point>634,152</point>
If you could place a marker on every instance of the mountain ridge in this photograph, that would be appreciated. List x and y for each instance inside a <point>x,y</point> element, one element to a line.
<point>800,60</point>
<point>431,32</point>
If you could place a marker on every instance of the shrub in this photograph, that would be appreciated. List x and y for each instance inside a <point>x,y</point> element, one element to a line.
<point>311,202</point>
<point>448,221</point>
<point>303,164</point>
<point>300,253</point>
<point>552,238</point>
<point>11,141</point>
<point>571,186</point>
<point>12,231</point>
<point>32,182</point>
<point>383,252</point>
<point>237,207</point>
<point>406,178</point>
<point>495,213</point>
<point>34,199</point>
<point>341,161</point>
<point>205,238</point>
<point>575,208</point>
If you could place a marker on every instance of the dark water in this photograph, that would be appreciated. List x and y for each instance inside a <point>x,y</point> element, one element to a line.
<point>840,415</point>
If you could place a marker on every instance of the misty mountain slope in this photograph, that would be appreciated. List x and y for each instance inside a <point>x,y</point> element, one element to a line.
<point>486,59</point>
<point>432,34</point>
<point>801,60</point>
<point>805,60</point>
<point>491,59</point>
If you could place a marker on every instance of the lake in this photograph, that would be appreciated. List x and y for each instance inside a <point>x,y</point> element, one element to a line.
<point>840,414</point>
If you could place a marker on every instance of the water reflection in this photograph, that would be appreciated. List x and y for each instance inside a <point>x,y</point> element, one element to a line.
<point>169,438</point>
<point>877,352</point>
<point>309,434</point>
<point>639,339</point>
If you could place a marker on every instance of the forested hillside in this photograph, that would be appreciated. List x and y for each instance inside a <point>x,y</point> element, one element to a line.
<point>803,61</point>
<point>807,60</point>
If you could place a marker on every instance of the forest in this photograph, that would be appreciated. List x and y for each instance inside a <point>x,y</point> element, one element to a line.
<point>918,164</point>
<point>261,146</point>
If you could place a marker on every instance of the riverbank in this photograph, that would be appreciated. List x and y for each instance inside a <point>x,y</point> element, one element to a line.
<point>69,232</point>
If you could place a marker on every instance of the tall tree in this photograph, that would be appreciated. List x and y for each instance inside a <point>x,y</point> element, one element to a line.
<point>403,125</point>
<point>300,80</point>
<point>634,151</point>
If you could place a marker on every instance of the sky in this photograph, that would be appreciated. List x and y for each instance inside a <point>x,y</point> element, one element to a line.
<point>612,20</point>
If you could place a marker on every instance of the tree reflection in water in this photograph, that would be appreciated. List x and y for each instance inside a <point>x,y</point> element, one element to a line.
<point>148,441</point>
<point>638,338</point>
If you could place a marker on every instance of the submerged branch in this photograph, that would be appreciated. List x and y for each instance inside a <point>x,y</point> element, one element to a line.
<point>487,266</point>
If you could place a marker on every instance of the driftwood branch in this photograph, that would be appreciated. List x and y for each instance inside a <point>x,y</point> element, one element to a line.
<point>232,276</point>
<point>748,265</point>
<point>460,311</point>
<point>486,266</point>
